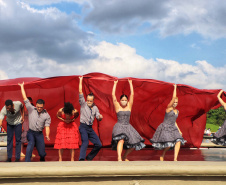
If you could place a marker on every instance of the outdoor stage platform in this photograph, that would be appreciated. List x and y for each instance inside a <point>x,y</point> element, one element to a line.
<point>194,166</point>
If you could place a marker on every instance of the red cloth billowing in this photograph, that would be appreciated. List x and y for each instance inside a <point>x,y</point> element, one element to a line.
<point>150,101</point>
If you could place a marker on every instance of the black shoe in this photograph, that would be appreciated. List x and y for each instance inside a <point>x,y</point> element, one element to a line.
<point>81,159</point>
<point>17,160</point>
<point>88,159</point>
<point>8,160</point>
<point>42,159</point>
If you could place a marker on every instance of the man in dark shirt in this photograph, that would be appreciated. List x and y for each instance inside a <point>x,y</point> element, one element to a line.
<point>88,112</point>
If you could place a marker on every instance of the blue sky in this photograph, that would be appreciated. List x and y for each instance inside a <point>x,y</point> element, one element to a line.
<point>176,41</point>
<point>180,47</point>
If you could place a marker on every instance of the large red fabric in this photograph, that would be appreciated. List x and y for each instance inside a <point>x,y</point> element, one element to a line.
<point>150,101</point>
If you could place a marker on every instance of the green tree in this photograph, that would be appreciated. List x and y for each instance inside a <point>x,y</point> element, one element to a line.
<point>216,116</point>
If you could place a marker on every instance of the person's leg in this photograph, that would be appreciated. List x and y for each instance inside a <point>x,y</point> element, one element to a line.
<point>40,145</point>
<point>128,151</point>
<point>10,130</point>
<point>85,142</point>
<point>176,150</point>
<point>119,149</point>
<point>22,141</point>
<point>163,153</point>
<point>30,146</point>
<point>61,154</point>
<point>97,144</point>
<point>18,132</point>
<point>72,154</point>
<point>22,147</point>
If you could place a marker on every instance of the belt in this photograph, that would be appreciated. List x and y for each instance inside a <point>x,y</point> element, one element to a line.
<point>84,124</point>
<point>35,131</point>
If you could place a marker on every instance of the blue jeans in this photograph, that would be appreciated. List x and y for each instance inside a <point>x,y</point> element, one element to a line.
<point>10,131</point>
<point>87,133</point>
<point>35,139</point>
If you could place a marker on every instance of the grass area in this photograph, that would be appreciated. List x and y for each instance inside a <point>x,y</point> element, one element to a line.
<point>212,127</point>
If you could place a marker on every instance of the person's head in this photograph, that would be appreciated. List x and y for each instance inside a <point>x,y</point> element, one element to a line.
<point>30,99</point>
<point>123,100</point>
<point>175,102</point>
<point>40,105</point>
<point>68,108</point>
<point>90,99</point>
<point>9,105</point>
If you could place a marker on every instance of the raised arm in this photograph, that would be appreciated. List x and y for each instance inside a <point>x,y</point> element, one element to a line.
<point>116,104</point>
<point>174,97</point>
<point>80,84</point>
<point>131,93</point>
<point>23,91</point>
<point>220,99</point>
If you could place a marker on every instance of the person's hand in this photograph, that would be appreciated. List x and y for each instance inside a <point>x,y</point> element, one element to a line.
<point>100,117</point>
<point>130,81</point>
<point>67,120</point>
<point>175,85</point>
<point>80,77</point>
<point>47,137</point>
<point>21,84</point>
<point>115,82</point>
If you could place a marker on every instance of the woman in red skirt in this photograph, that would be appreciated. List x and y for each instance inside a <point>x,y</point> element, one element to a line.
<point>67,136</point>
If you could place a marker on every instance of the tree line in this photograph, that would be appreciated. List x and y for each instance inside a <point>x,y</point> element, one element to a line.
<point>216,116</point>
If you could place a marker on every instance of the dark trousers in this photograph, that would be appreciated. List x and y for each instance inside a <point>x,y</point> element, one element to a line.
<point>87,133</point>
<point>10,132</point>
<point>35,138</point>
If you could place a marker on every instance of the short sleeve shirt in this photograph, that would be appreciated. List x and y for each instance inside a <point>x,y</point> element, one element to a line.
<point>12,119</point>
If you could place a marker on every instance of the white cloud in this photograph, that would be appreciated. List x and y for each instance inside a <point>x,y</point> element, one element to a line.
<point>2,3</point>
<point>121,60</point>
<point>48,33</point>
<point>195,46</point>
<point>44,43</point>
<point>206,17</point>
<point>3,75</point>
<point>48,2</point>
